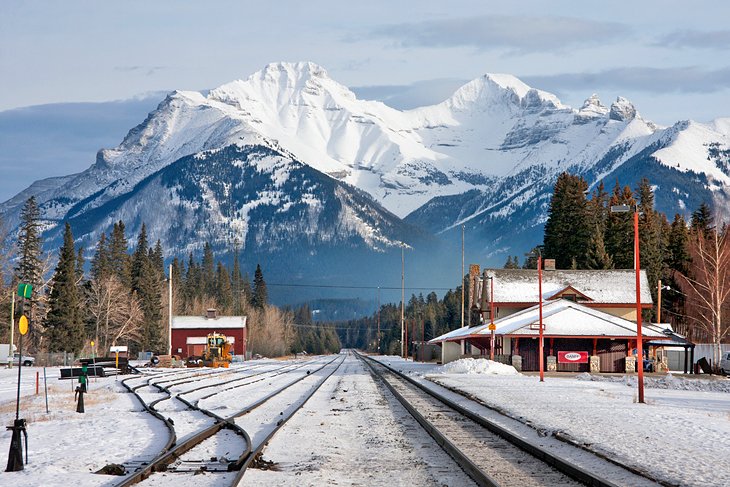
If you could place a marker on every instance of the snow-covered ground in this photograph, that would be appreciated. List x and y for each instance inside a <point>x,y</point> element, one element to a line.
<point>680,435</point>
<point>353,432</point>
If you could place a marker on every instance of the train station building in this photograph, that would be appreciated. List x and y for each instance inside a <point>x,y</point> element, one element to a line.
<point>588,316</point>
<point>189,333</point>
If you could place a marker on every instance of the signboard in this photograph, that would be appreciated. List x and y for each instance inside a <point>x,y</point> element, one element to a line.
<point>23,325</point>
<point>25,290</point>
<point>572,357</point>
<point>492,327</point>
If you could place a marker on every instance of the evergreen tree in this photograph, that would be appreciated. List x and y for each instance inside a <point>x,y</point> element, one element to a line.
<point>702,220</point>
<point>80,262</point>
<point>619,239</point>
<point>150,296</point>
<point>140,259</point>
<point>119,260</point>
<point>64,328</point>
<point>678,257</point>
<point>237,284</point>
<point>597,257</point>
<point>208,271</point>
<point>29,269</point>
<point>598,209</point>
<point>192,290</point>
<point>531,260</point>
<point>100,265</point>
<point>651,244</point>
<point>511,264</point>
<point>260,295</point>
<point>178,270</point>
<point>224,292</point>
<point>567,230</point>
<point>246,290</point>
<point>158,259</point>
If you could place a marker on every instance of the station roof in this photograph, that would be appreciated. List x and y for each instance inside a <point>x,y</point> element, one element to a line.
<point>561,318</point>
<point>613,286</point>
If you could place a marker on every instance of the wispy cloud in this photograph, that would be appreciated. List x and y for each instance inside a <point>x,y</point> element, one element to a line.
<point>713,39</point>
<point>406,97</point>
<point>522,34</point>
<point>147,70</point>
<point>687,79</point>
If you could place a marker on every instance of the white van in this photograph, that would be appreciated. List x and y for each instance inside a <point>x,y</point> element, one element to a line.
<point>725,363</point>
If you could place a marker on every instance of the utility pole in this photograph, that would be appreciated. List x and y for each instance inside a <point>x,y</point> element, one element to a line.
<point>402,299</point>
<point>169,324</point>
<point>462,276</point>
<point>378,320</point>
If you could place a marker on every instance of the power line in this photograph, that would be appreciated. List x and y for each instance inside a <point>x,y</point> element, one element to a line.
<point>337,286</point>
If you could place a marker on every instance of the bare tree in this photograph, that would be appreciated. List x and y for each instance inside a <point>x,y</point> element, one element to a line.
<point>707,287</point>
<point>116,314</point>
<point>270,331</point>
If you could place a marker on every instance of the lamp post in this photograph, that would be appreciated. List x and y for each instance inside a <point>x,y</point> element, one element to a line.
<point>637,268</point>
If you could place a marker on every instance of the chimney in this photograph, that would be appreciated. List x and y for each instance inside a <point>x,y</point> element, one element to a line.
<point>548,264</point>
<point>210,314</point>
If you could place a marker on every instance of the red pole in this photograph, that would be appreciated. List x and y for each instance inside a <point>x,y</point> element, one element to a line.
<point>639,348</point>
<point>539,278</point>
<point>491,316</point>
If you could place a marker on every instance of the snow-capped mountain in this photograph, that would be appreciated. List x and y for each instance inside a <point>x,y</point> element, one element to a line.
<point>290,155</point>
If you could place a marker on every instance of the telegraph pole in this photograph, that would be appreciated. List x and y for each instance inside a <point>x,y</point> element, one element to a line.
<point>462,275</point>
<point>402,298</point>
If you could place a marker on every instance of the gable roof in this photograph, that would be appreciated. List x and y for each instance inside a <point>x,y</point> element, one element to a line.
<point>219,323</point>
<point>614,286</point>
<point>561,318</point>
<point>562,292</point>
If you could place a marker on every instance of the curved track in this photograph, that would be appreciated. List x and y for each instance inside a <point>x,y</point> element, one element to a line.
<point>208,427</point>
<point>491,455</point>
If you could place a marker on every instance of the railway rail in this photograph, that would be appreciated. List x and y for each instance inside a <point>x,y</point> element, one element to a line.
<point>191,455</point>
<point>488,453</point>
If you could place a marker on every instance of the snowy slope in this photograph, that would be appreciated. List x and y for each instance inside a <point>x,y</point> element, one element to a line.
<point>486,157</point>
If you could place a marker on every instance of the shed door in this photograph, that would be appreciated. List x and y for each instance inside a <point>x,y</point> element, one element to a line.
<point>612,354</point>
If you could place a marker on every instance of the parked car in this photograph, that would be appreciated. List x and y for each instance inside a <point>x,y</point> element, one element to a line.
<point>725,363</point>
<point>25,360</point>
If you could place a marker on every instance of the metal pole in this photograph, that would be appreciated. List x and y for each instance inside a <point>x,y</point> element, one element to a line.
<point>462,276</point>
<point>20,363</point>
<point>659,304</point>
<point>12,324</point>
<point>378,320</point>
<point>402,299</point>
<point>169,324</point>
<point>45,386</point>
<point>539,278</point>
<point>491,317</point>
<point>639,347</point>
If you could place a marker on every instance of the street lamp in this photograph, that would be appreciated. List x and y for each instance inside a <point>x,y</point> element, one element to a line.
<point>637,268</point>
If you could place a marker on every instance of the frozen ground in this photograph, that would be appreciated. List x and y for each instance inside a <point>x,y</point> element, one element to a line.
<point>353,432</point>
<point>681,435</point>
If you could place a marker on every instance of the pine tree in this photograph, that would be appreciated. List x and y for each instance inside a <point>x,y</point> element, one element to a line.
<point>511,264</point>
<point>158,259</point>
<point>30,267</point>
<point>678,257</point>
<point>597,257</point>
<point>246,291</point>
<point>64,328</point>
<point>237,283</point>
<point>224,292</point>
<point>192,291</point>
<point>702,220</point>
<point>140,259</point>
<point>208,271</point>
<point>80,263</point>
<point>119,260</point>
<point>260,294</point>
<point>619,239</point>
<point>567,230</point>
<point>598,209</point>
<point>100,265</point>
<point>651,243</point>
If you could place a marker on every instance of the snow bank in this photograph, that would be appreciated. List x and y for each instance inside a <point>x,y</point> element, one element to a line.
<point>668,382</point>
<point>478,366</point>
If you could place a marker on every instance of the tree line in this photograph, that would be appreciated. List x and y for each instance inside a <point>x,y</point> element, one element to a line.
<point>123,299</point>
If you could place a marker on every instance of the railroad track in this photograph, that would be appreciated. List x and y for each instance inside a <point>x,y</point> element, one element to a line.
<point>290,387</point>
<point>488,453</point>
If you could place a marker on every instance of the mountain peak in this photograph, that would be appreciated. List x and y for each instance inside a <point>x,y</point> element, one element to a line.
<point>622,110</point>
<point>301,69</point>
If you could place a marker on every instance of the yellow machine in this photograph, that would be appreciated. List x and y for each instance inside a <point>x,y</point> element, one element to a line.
<point>217,353</point>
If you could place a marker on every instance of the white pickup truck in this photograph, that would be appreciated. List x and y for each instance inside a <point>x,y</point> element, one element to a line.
<point>7,351</point>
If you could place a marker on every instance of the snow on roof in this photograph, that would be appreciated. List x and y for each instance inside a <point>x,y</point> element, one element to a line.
<point>615,286</point>
<point>560,318</point>
<point>219,323</point>
<point>204,340</point>
<point>566,318</point>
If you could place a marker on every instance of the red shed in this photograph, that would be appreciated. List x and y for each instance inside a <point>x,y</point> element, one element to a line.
<point>189,332</point>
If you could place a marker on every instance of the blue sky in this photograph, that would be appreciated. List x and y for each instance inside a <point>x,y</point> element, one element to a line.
<point>669,58</point>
